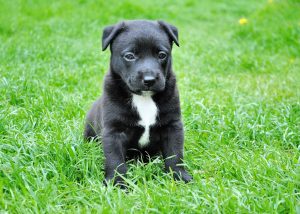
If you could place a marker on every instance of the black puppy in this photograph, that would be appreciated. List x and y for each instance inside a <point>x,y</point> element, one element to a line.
<point>139,110</point>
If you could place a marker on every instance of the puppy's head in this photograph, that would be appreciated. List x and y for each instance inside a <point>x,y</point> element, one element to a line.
<point>141,53</point>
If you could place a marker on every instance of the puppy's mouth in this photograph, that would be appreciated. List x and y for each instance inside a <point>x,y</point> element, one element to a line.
<point>142,91</point>
<point>148,89</point>
<point>138,87</point>
<point>145,90</point>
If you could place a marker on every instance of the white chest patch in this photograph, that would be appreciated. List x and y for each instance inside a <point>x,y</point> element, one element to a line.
<point>147,111</point>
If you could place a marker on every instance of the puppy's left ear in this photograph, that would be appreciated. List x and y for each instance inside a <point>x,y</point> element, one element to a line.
<point>109,33</point>
<point>171,30</point>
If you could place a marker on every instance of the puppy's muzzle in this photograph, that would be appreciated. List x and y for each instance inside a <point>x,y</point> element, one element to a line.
<point>149,77</point>
<point>149,80</point>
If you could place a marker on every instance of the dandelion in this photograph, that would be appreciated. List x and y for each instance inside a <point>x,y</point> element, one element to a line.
<point>243,21</point>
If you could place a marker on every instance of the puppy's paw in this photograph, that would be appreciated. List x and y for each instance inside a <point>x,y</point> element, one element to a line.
<point>117,181</point>
<point>183,175</point>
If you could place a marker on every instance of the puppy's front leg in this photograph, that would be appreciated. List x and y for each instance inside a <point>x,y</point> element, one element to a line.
<point>172,151</point>
<point>114,152</point>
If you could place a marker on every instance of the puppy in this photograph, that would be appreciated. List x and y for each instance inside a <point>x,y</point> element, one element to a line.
<point>139,110</point>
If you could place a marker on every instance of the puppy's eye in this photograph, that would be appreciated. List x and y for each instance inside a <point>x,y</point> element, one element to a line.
<point>129,57</point>
<point>162,55</point>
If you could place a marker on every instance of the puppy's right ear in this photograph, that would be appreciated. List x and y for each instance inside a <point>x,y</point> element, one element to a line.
<point>109,33</point>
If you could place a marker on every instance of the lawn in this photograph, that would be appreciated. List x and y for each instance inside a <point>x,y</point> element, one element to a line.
<point>238,70</point>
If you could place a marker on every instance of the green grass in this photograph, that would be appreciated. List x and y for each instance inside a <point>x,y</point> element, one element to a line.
<point>240,97</point>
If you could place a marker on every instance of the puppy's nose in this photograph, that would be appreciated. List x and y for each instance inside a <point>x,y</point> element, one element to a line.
<point>149,81</point>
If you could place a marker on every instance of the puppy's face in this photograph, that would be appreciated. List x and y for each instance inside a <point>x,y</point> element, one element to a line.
<point>141,53</point>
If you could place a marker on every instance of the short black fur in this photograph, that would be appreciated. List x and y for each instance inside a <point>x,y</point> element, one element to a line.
<point>140,50</point>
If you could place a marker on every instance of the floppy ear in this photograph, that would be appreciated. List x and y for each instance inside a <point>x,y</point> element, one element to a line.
<point>171,30</point>
<point>109,33</point>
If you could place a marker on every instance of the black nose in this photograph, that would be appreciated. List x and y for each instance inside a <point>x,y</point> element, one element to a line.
<point>149,81</point>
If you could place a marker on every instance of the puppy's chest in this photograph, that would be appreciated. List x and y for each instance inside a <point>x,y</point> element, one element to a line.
<point>147,110</point>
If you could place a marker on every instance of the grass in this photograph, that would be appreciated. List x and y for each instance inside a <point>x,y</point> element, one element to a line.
<point>240,97</point>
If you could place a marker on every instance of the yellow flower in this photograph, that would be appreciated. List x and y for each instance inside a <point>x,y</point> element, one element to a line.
<point>243,21</point>
<point>270,1</point>
<point>292,60</point>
